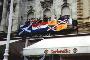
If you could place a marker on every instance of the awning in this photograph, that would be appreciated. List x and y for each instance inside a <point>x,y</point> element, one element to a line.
<point>66,45</point>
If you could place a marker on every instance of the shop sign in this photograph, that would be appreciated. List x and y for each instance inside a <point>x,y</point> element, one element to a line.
<point>61,51</point>
<point>57,51</point>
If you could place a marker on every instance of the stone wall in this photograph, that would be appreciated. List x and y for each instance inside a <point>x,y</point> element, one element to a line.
<point>55,9</point>
<point>83,10</point>
<point>23,6</point>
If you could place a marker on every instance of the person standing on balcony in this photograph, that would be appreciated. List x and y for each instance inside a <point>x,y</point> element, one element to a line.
<point>45,18</point>
<point>75,25</point>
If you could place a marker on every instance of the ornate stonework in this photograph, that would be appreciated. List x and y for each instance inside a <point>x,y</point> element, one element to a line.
<point>83,10</point>
<point>79,9</point>
<point>27,9</point>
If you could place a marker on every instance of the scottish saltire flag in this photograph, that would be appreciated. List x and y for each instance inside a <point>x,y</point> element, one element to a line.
<point>25,28</point>
<point>43,57</point>
<point>63,21</point>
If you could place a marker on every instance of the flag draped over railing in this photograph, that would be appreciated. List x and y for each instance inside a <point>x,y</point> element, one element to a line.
<point>34,27</point>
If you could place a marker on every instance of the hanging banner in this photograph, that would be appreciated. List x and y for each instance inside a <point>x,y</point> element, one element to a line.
<point>37,27</point>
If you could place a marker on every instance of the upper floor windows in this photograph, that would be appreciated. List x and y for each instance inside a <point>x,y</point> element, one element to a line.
<point>65,1</point>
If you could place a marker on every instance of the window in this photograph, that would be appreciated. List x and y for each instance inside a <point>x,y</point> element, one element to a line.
<point>65,1</point>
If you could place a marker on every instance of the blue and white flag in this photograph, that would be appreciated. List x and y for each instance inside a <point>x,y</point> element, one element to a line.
<point>43,57</point>
<point>25,28</point>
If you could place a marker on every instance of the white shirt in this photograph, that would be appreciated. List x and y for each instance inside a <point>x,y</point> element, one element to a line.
<point>70,21</point>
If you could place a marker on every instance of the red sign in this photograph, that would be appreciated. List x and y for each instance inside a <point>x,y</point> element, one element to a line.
<point>60,51</point>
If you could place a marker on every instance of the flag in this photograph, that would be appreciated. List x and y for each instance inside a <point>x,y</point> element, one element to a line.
<point>43,27</point>
<point>35,26</point>
<point>61,26</point>
<point>51,28</point>
<point>25,28</point>
<point>43,57</point>
<point>40,27</point>
<point>52,22</point>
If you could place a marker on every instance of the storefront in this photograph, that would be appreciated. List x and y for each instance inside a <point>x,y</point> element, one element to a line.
<point>70,48</point>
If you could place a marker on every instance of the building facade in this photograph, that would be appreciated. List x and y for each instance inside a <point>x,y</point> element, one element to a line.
<point>39,8</point>
<point>27,9</point>
<point>83,10</point>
